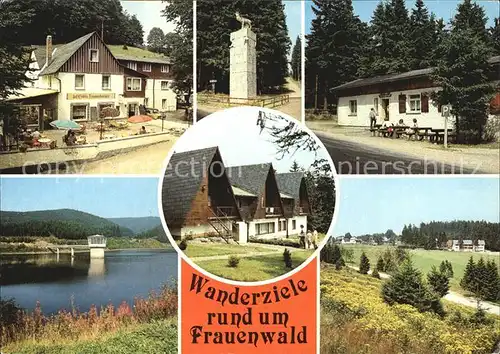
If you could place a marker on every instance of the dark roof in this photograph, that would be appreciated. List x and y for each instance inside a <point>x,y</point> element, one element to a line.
<point>250,178</point>
<point>182,181</point>
<point>395,77</point>
<point>40,53</point>
<point>143,59</point>
<point>289,183</point>
<point>63,53</point>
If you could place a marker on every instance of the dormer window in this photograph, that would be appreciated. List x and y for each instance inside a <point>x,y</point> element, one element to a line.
<point>132,65</point>
<point>146,67</point>
<point>94,55</point>
<point>165,68</point>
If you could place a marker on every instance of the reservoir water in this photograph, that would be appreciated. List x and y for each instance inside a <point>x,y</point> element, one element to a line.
<point>60,283</point>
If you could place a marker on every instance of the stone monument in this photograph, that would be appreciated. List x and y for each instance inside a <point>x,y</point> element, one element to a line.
<point>243,61</point>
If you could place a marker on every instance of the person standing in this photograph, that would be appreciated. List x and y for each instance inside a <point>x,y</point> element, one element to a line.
<point>373,118</point>
<point>315,239</point>
<point>309,237</point>
<point>302,237</point>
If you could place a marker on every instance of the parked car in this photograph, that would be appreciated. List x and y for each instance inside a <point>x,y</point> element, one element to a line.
<point>153,113</point>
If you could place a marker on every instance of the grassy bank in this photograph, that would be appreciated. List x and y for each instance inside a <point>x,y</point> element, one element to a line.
<point>128,243</point>
<point>219,249</point>
<point>425,259</point>
<point>355,320</point>
<point>256,268</point>
<point>96,331</point>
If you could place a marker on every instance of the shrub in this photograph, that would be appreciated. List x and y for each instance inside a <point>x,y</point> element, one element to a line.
<point>183,245</point>
<point>446,268</point>
<point>332,254</point>
<point>287,258</point>
<point>407,287</point>
<point>380,264</point>
<point>339,264</point>
<point>438,282</point>
<point>278,242</point>
<point>364,264</point>
<point>375,273</point>
<point>347,254</point>
<point>233,261</point>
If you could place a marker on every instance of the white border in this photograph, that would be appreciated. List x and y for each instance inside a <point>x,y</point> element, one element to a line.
<point>195,66</point>
<point>262,282</point>
<point>303,62</point>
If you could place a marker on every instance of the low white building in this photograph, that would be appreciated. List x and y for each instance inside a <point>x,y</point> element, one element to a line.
<point>405,96</point>
<point>480,246</point>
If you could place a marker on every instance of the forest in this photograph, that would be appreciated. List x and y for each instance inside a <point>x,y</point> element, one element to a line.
<point>215,22</point>
<point>61,223</point>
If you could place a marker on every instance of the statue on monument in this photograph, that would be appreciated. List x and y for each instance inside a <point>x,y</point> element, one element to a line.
<point>245,22</point>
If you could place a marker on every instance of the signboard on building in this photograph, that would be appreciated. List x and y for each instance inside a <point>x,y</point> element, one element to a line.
<point>90,96</point>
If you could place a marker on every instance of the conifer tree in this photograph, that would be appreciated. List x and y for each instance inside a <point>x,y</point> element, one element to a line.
<point>446,268</point>
<point>380,264</point>
<point>407,287</point>
<point>375,273</point>
<point>438,281</point>
<point>296,59</point>
<point>469,274</point>
<point>495,35</point>
<point>364,264</point>
<point>421,32</point>
<point>492,286</point>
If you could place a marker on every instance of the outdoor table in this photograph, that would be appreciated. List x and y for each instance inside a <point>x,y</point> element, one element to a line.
<point>44,142</point>
<point>440,132</point>
<point>109,136</point>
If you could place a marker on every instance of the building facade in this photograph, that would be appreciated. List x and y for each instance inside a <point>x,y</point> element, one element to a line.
<point>405,96</point>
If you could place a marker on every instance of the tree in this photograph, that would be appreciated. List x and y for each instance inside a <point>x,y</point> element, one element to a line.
<point>170,39</point>
<point>471,16</point>
<point>495,35</point>
<point>421,33</point>
<point>364,264</point>
<point>216,21</point>
<point>467,281</point>
<point>297,59</point>
<point>332,254</point>
<point>295,167</point>
<point>492,286</point>
<point>156,40</point>
<point>446,268</point>
<point>380,264</point>
<point>438,282</point>
<point>407,287</point>
<point>375,273</point>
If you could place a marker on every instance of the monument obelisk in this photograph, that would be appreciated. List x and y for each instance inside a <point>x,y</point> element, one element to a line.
<point>243,61</point>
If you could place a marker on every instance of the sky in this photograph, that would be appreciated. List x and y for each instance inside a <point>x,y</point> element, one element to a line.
<point>236,133</point>
<point>442,8</point>
<point>149,14</point>
<point>293,12</point>
<point>104,197</point>
<point>370,205</point>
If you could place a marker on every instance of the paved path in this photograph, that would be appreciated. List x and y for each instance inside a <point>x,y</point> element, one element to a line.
<point>455,297</point>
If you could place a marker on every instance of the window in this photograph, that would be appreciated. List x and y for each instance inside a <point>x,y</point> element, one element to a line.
<point>106,82</point>
<point>415,104</point>
<point>79,112</point>
<point>294,224</point>
<point>375,104</point>
<point>164,85</point>
<point>133,84</point>
<point>265,228</point>
<point>146,101</point>
<point>353,107</point>
<point>146,67</point>
<point>132,65</point>
<point>282,225</point>
<point>164,104</point>
<point>165,68</point>
<point>94,55</point>
<point>80,82</point>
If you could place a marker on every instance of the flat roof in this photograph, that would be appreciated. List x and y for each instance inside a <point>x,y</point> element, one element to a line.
<point>28,92</point>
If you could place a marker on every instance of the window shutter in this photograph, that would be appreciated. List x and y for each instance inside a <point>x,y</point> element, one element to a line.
<point>425,103</point>
<point>439,107</point>
<point>402,103</point>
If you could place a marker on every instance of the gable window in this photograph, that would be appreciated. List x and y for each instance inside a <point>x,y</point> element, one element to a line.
<point>79,112</point>
<point>165,68</point>
<point>353,107</point>
<point>415,104</point>
<point>132,65</point>
<point>164,85</point>
<point>133,84</point>
<point>106,82</point>
<point>146,67</point>
<point>94,55</point>
<point>80,82</point>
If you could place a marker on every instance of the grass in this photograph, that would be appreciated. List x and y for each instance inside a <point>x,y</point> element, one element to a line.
<point>125,243</point>
<point>425,259</point>
<point>255,268</point>
<point>354,320</point>
<point>133,51</point>
<point>219,249</point>
<point>159,336</point>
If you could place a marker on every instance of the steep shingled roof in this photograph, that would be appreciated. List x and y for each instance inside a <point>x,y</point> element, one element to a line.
<point>182,181</point>
<point>63,53</point>
<point>250,178</point>
<point>289,183</point>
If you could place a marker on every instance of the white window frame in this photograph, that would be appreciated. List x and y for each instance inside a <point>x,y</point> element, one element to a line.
<point>355,112</point>
<point>416,100</point>
<point>109,82</point>
<point>90,55</point>
<point>86,105</point>
<point>146,65</point>
<point>132,84</point>
<point>166,85</point>
<point>165,68</point>
<point>375,105</point>
<point>164,104</point>
<point>80,87</point>
<point>132,65</point>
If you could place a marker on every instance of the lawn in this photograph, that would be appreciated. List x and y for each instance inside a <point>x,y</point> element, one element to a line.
<point>354,319</point>
<point>220,249</point>
<point>158,336</point>
<point>255,268</point>
<point>425,259</point>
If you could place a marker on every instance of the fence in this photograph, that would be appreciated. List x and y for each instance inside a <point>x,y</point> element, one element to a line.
<point>271,102</point>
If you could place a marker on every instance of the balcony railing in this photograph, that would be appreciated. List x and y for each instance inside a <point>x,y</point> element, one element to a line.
<point>303,210</point>
<point>270,211</point>
<point>225,211</point>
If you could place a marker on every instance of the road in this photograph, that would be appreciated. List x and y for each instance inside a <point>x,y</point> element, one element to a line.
<point>355,158</point>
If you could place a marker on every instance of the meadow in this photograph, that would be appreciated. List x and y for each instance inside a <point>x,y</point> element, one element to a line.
<point>355,320</point>
<point>425,259</point>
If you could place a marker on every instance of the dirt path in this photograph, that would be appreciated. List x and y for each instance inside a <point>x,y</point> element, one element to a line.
<point>478,159</point>
<point>145,160</point>
<point>455,297</point>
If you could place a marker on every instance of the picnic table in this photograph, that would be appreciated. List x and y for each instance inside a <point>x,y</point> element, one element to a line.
<point>439,134</point>
<point>44,142</point>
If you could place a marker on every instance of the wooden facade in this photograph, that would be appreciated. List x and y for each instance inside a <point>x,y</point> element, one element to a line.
<point>80,61</point>
<point>155,72</point>
<point>132,74</point>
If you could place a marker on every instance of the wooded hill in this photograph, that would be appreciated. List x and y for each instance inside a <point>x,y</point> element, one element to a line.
<point>61,223</point>
<point>138,225</point>
<point>157,233</point>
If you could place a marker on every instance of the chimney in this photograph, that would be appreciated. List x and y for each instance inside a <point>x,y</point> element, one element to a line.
<point>48,50</point>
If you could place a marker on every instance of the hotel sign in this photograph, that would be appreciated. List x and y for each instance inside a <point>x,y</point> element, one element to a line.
<point>90,96</point>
